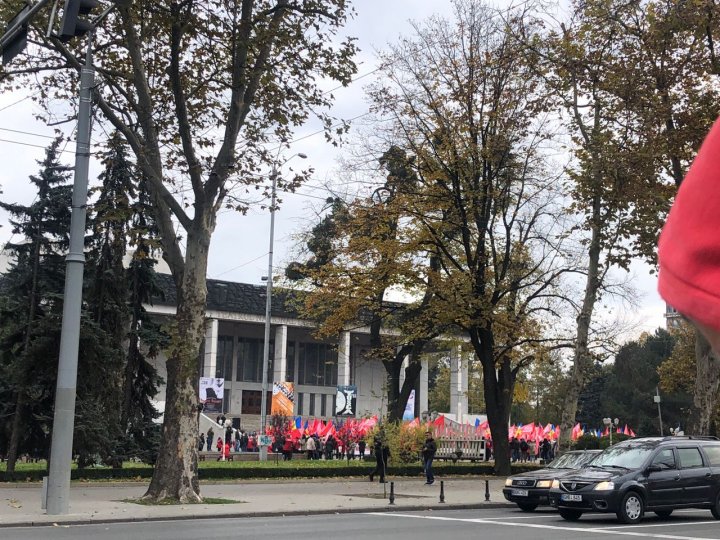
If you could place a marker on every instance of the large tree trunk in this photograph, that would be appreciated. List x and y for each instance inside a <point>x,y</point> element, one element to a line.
<point>412,372</point>
<point>498,382</point>
<point>499,387</point>
<point>582,362</point>
<point>707,382</point>
<point>17,426</point>
<point>175,474</point>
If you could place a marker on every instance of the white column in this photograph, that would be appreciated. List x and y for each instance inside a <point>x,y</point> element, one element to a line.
<point>423,385</point>
<point>458,384</point>
<point>280,366</point>
<point>211,341</point>
<point>344,359</point>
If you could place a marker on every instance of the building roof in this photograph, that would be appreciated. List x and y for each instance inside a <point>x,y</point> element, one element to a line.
<point>233,297</point>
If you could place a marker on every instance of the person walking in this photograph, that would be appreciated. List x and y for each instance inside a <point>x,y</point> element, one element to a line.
<point>382,454</point>
<point>428,454</point>
<point>310,447</point>
<point>209,439</point>
<point>515,449</point>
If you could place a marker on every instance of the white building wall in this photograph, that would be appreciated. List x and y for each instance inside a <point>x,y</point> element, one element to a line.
<point>371,378</point>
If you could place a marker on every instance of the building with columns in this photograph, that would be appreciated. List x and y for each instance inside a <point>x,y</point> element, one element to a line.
<point>233,350</point>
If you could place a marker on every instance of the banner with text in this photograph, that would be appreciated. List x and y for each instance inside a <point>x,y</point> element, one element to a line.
<point>283,399</point>
<point>211,394</point>
<point>346,400</point>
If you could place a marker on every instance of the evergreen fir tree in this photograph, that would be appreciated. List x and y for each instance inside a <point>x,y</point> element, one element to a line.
<point>31,310</point>
<point>117,298</point>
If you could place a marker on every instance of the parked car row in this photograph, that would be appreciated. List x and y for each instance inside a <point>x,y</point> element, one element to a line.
<point>658,474</point>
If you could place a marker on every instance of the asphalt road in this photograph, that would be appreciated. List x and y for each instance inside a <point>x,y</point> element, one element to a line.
<point>459,524</point>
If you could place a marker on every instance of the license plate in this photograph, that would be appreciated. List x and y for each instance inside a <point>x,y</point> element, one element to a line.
<point>519,492</point>
<point>571,498</point>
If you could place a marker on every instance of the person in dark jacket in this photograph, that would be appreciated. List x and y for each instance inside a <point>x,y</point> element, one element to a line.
<point>201,442</point>
<point>209,439</point>
<point>382,454</point>
<point>428,454</point>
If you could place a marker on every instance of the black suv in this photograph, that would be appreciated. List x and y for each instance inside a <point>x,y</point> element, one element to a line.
<point>530,489</point>
<point>658,474</point>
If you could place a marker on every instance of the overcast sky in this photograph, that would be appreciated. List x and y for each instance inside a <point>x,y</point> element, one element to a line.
<point>240,243</point>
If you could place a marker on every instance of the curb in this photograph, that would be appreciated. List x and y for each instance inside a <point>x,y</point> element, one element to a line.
<point>239,515</point>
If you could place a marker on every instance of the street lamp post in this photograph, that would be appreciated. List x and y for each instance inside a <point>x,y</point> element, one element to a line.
<point>656,399</point>
<point>268,306</point>
<point>611,424</point>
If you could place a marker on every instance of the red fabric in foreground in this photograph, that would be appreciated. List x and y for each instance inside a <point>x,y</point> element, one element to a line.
<point>689,247</point>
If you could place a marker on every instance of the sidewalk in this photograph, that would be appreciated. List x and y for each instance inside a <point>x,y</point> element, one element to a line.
<point>103,502</point>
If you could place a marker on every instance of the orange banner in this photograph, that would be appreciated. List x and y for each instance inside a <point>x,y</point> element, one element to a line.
<point>283,399</point>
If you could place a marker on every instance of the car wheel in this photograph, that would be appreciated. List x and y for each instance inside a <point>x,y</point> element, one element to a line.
<point>527,507</point>
<point>663,513</point>
<point>631,508</point>
<point>569,514</point>
<point>716,508</point>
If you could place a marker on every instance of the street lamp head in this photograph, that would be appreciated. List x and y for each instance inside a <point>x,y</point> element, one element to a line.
<point>616,422</point>
<point>301,155</point>
<point>606,421</point>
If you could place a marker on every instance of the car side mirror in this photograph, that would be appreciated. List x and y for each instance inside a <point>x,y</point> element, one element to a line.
<point>654,468</point>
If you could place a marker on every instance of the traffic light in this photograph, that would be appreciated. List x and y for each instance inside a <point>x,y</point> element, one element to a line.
<point>14,44</point>
<point>72,24</point>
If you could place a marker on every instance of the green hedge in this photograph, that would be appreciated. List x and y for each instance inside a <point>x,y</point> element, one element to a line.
<point>253,470</point>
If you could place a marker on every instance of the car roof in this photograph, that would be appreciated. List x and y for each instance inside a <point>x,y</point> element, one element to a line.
<point>665,441</point>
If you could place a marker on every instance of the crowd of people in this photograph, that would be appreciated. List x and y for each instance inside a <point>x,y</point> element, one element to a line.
<point>314,446</point>
<point>525,451</point>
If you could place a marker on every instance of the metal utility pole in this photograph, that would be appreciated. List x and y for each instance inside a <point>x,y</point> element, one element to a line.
<point>64,421</point>
<point>656,399</point>
<point>268,305</point>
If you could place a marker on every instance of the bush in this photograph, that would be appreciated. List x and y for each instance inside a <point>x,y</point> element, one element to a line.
<point>590,442</point>
<point>405,442</point>
<point>246,470</point>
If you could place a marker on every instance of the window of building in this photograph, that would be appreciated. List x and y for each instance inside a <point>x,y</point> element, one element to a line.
<point>312,405</point>
<point>250,360</point>
<point>323,405</point>
<point>226,401</point>
<point>224,360</point>
<point>251,403</point>
<point>317,364</point>
<point>290,377</point>
<point>300,396</point>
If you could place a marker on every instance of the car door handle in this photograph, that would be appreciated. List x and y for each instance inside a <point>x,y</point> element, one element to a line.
<point>677,477</point>
<point>708,475</point>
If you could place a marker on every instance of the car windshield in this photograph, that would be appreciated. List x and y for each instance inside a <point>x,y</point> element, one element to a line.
<point>572,460</point>
<point>626,456</point>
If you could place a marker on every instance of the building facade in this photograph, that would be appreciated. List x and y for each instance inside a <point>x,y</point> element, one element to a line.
<point>233,350</point>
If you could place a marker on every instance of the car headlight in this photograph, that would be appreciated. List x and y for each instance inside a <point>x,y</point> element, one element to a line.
<point>556,484</point>
<point>544,483</point>
<point>604,486</point>
<point>508,482</point>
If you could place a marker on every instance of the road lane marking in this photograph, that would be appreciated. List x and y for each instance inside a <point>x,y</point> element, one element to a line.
<point>610,530</point>
<point>667,524</point>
